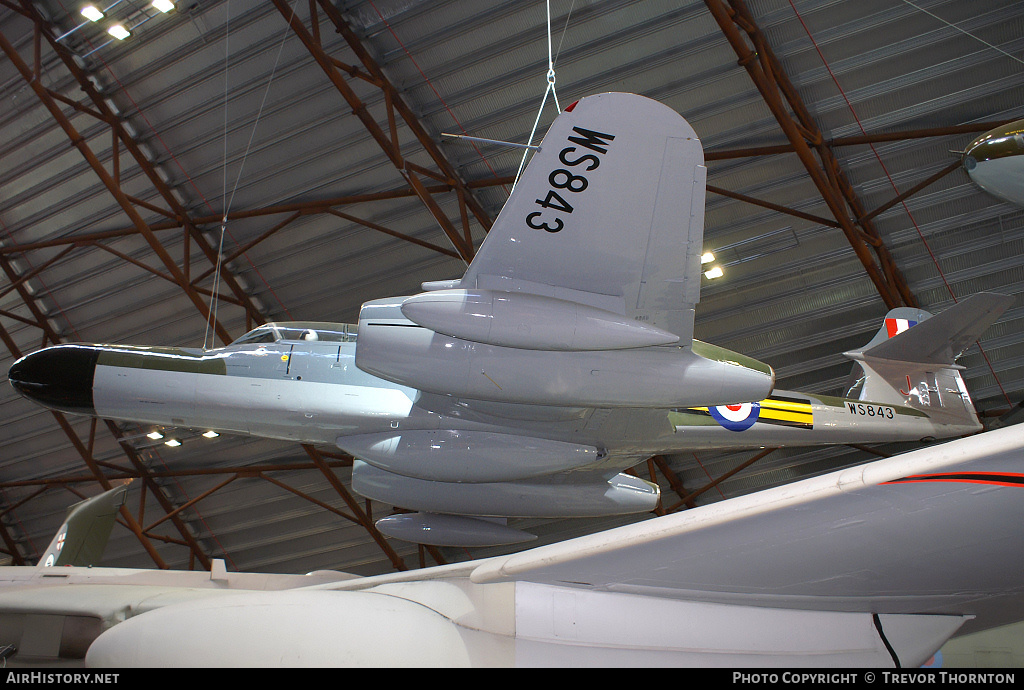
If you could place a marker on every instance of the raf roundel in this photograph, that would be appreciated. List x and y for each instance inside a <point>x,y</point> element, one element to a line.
<point>736,417</point>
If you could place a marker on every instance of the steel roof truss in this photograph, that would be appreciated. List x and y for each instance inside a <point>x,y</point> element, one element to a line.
<point>756,56</point>
<point>394,109</point>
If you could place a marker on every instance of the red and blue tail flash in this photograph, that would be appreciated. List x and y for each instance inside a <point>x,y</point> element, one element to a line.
<point>894,326</point>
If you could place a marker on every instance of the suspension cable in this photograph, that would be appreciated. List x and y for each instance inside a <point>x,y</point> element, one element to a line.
<point>549,89</point>
<point>228,200</point>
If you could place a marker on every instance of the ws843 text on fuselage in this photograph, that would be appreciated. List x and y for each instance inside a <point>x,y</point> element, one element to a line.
<point>869,410</point>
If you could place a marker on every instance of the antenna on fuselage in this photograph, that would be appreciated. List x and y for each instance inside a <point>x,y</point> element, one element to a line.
<point>490,141</point>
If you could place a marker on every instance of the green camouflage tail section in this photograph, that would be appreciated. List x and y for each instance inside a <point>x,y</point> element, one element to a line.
<point>83,536</point>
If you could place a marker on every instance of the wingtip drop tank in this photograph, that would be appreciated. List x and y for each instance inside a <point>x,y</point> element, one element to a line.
<point>995,162</point>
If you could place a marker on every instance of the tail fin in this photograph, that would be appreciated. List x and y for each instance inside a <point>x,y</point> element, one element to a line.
<point>911,361</point>
<point>83,536</point>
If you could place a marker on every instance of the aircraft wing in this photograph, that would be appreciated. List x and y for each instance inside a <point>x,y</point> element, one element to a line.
<point>609,213</point>
<point>935,531</point>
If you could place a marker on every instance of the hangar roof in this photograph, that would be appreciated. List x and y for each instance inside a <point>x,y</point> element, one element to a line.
<point>315,129</point>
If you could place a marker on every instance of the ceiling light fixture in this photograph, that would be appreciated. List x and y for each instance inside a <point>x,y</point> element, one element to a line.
<point>172,442</point>
<point>211,434</point>
<point>707,258</point>
<point>155,435</point>
<point>91,13</point>
<point>715,272</point>
<point>164,6</point>
<point>118,32</point>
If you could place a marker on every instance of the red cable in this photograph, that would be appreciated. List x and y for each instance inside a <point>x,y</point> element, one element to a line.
<point>895,188</point>
<point>431,85</point>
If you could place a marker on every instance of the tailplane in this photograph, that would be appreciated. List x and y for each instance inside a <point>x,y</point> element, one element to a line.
<point>911,361</point>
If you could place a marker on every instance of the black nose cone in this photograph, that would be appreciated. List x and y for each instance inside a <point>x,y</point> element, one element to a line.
<point>58,377</point>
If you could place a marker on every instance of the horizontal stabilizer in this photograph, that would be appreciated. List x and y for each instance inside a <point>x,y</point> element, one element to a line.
<point>940,339</point>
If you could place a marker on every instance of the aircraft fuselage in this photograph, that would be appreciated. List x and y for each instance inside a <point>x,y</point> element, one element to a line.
<point>313,392</point>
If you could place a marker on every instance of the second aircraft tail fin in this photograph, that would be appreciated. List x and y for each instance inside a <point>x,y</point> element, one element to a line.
<point>911,361</point>
<point>83,536</point>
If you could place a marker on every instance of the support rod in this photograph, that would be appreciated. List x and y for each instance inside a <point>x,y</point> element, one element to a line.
<point>860,139</point>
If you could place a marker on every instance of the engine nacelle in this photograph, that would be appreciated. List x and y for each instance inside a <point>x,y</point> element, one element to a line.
<point>530,322</point>
<point>450,455</point>
<point>290,629</point>
<point>395,348</point>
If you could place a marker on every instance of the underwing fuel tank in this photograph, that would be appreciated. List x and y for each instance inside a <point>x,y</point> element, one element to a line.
<point>398,349</point>
<point>451,530</point>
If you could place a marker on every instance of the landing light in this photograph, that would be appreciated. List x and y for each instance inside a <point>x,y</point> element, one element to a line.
<point>118,32</point>
<point>715,272</point>
<point>91,13</point>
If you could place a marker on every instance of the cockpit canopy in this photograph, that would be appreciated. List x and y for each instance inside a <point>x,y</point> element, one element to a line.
<point>300,330</point>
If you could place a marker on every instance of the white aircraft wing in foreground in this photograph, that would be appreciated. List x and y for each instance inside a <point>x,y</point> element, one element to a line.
<point>876,565</point>
<point>896,554</point>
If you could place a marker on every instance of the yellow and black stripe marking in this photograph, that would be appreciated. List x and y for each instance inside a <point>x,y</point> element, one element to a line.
<point>783,411</point>
<point>775,409</point>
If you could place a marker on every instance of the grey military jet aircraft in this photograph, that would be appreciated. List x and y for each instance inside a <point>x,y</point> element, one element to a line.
<point>563,356</point>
